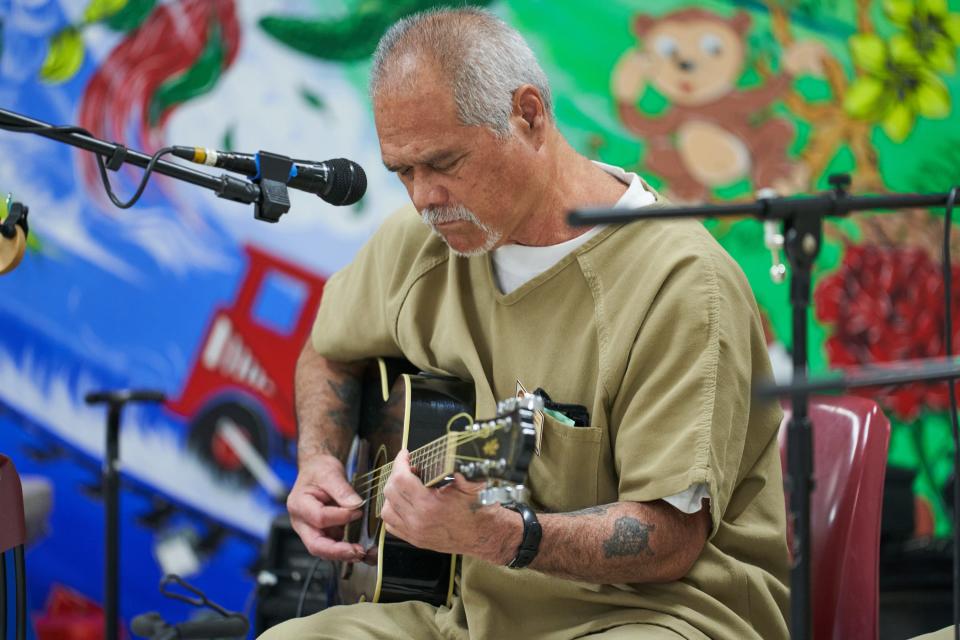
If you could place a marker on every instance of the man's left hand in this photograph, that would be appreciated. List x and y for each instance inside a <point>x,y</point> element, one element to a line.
<point>448,519</point>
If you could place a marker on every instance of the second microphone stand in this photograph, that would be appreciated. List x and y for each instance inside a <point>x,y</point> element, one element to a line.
<point>802,220</point>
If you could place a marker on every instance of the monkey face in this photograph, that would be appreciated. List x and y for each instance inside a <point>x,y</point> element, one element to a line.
<point>694,61</point>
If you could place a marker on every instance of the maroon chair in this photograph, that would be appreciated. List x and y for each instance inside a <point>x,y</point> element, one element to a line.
<point>13,536</point>
<point>850,438</point>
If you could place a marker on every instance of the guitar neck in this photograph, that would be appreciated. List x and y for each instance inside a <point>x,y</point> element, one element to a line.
<point>497,449</point>
<point>432,463</point>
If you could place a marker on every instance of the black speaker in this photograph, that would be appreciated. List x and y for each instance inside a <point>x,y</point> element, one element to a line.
<point>284,566</point>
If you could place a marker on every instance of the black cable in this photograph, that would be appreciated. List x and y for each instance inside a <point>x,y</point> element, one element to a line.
<point>143,181</point>
<point>955,424</point>
<point>306,585</point>
<point>104,178</point>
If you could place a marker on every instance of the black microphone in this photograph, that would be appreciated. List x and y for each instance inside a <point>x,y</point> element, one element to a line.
<point>338,181</point>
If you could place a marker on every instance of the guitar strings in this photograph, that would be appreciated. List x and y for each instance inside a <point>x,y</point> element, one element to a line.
<point>432,452</point>
<point>417,456</point>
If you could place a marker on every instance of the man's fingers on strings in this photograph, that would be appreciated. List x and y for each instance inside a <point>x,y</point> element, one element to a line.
<point>404,487</point>
<point>343,493</point>
<point>323,516</point>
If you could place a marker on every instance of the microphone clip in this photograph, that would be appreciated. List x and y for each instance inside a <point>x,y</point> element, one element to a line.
<point>13,236</point>
<point>272,177</point>
<point>16,217</point>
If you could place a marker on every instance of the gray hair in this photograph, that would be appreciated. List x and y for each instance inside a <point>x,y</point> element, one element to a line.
<point>484,59</point>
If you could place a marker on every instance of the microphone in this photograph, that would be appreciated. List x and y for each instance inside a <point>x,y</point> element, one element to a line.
<point>338,181</point>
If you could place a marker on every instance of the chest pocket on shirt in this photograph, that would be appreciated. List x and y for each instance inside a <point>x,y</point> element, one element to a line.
<point>564,476</point>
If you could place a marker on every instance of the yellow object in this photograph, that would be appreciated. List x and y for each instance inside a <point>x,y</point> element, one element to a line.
<point>99,9</point>
<point>64,56</point>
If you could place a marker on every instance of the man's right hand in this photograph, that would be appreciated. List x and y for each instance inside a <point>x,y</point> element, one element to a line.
<point>320,504</point>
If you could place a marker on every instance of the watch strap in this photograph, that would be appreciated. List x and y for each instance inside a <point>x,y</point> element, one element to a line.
<point>532,532</point>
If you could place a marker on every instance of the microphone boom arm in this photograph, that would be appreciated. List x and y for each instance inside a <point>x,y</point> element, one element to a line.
<point>224,186</point>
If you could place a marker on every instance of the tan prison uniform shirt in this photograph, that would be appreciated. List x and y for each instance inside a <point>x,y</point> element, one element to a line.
<point>654,329</point>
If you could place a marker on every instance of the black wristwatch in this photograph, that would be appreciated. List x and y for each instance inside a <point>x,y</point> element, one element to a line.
<point>530,543</point>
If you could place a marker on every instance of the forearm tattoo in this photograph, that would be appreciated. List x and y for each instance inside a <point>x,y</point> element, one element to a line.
<point>347,392</point>
<point>630,538</point>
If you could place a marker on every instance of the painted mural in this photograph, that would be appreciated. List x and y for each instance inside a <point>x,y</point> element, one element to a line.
<point>188,294</point>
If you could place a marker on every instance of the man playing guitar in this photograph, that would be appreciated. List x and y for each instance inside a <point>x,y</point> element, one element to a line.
<point>657,512</point>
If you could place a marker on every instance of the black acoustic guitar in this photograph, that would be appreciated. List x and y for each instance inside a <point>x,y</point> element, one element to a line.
<point>432,417</point>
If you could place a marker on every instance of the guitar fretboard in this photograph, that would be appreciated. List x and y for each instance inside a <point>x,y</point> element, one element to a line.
<point>432,463</point>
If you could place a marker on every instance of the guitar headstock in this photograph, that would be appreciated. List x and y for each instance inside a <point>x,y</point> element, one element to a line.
<point>500,449</point>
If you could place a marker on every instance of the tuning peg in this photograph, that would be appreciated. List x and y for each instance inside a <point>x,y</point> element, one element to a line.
<point>493,494</point>
<point>503,493</point>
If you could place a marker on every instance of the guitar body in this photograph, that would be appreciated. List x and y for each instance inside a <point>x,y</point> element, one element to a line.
<point>400,409</point>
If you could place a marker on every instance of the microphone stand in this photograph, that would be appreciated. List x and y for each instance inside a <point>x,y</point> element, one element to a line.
<point>269,195</point>
<point>802,220</point>
<point>903,372</point>
<point>110,482</point>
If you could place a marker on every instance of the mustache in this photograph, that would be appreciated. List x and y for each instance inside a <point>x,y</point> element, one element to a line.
<point>439,215</point>
<point>434,216</point>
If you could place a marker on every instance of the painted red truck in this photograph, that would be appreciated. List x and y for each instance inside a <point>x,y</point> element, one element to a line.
<point>244,367</point>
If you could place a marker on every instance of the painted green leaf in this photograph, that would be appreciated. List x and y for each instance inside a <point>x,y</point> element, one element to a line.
<point>951,26</point>
<point>347,39</point>
<point>869,52</point>
<point>195,81</point>
<point>33,243</point>
<point>64,57</point>
<point>932,98</point>
<point>328,41</point>
<point>133,14</point>
<point>899,11</point>
<point>227,144</point>
<point>97,10</point>
<point>937,8</point>
<point>312,99</point>
<point>942,56</point>
<point>865,98</point>
<point>903,52</point>
<point>898,122</point>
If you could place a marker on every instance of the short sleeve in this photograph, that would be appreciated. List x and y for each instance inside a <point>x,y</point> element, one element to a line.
<point>357,318</point>
<point>682,412</point>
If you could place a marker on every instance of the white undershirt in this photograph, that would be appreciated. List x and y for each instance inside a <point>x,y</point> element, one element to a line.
<point>515,264</point>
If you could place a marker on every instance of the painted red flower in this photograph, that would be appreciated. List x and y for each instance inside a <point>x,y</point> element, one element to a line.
<point>885,304</point>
